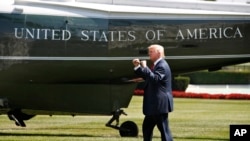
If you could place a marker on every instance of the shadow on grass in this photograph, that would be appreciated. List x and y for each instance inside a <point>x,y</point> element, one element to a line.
<point>86,135</point>
<point>201,138</point>
<point>47,135</point>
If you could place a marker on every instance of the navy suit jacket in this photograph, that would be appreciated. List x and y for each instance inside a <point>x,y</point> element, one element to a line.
<point>158,98</point>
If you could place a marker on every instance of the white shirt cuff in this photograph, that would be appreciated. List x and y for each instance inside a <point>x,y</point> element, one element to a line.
<point>135,68</point>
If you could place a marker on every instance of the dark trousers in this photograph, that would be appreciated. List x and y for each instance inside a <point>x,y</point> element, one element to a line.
<point>162,123</point>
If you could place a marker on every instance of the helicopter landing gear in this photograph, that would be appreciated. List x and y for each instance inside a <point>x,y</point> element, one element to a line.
<point>127,128</point>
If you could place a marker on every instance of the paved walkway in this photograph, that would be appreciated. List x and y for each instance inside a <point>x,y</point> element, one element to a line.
<point>219,89</point>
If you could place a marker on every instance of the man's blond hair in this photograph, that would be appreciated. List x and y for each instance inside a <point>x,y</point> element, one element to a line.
<point>159,49</point>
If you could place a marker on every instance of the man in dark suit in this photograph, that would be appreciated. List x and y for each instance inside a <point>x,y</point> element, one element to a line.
<point>158,98</point>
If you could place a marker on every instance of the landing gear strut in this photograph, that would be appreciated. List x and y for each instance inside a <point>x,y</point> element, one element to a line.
<point>127,128</point>
<point>18,116</point>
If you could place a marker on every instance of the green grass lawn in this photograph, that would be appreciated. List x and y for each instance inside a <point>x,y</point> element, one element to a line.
<point>192,120</point>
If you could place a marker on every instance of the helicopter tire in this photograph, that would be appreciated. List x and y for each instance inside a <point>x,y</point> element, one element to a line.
<point>128,129</point>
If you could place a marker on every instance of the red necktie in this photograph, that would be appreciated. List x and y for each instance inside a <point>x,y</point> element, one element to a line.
<point>152,67</point>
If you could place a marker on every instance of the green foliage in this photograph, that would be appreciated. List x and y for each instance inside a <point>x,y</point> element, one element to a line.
<point>180,83</point>
<point>219,77</point>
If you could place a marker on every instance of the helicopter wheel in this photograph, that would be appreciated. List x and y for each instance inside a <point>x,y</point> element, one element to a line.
<point>128,129</point>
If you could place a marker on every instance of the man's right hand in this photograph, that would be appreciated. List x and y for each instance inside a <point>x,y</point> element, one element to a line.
<point>136,62</point>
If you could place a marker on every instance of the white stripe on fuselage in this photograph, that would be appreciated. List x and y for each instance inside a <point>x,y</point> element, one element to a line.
<point>121,58</point>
